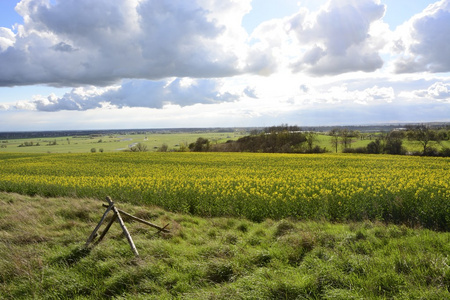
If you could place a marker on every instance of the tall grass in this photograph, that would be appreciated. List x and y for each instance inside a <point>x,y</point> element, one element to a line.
<point>42,256</point>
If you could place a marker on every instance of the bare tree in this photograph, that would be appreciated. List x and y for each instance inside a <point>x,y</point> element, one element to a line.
<point>335,134</point>
<point>139,147</point>
<point>163,148</point>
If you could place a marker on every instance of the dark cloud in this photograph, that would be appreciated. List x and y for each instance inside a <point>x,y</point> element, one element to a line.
<point>429,48</point>
<point>137,93</point>
<point>63,47</point>
<point>155,94</point>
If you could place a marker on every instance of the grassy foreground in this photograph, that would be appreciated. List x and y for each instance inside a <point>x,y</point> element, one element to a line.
<point>42,256</point>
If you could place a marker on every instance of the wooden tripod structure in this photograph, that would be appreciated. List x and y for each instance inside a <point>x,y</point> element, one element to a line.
<point>117,216</point>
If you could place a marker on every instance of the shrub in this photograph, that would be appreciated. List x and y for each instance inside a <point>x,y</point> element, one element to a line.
<point>355,150</point>
<point>445,152</point>
<point>374,147</point>
<point>139,147</point>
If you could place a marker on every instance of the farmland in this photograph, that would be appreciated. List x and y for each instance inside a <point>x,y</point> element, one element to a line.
<point>335,187</point>
<point>112,142</point>
<point>242,226</point>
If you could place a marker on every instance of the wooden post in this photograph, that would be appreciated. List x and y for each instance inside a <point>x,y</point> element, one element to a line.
<point>94,233</point>
<point>117,216</point>
<point>125,231</point>
<point>106,229</point>
<point>142,221</point>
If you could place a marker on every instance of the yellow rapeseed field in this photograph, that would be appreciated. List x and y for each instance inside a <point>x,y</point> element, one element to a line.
<point>400,189</point>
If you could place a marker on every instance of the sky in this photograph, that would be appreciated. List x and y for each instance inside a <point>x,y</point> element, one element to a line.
<point>124,64</point>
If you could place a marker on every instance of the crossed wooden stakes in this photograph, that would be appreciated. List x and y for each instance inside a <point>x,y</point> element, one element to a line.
<point>117,216</point>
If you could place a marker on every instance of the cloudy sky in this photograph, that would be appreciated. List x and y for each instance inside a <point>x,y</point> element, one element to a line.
<point>83,64</point>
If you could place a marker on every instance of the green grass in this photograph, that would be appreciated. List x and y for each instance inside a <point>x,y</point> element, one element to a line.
<point>42,256</point>
<point>324,141</point>
<point>114,143</point>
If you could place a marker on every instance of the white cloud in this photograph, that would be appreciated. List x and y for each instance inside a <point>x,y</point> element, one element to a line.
<point>337,39</point>
<point>423,41</point>
<point>341,94</point>
<point>77,42</point>
<point>438,91</point>
<point>7,38</point>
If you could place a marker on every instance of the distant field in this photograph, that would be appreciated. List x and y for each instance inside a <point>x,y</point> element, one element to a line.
<point>153,141</point>
<point>113,143</point>
<point>399,189</point>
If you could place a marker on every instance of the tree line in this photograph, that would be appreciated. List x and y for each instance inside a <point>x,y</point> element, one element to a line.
<point>275,139</point>
<point>392,142</point>
<point>291,139</point>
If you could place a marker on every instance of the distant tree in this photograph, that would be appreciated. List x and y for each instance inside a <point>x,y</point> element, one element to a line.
<point>139,147</point>
<point>183,147</point>
<point>311,138</point>
<point>201,145</point>
<point>93,150</point>
<point>424,135</point>
<point>254,132</point>
<point>374,147</point>
<point>163,148</point>
<point>394,146</point>
<point>100,150</point>
<point>282,128</point>
<point>347,137</point>
<point>394,143</point>
<point>335,134</point>
<point>443,135</point>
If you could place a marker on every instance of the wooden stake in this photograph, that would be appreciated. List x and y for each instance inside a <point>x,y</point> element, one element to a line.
<point>94,233</point>
<point>106,229</point>
<point>117,216</point>
<point>143,221</point>
<point>125,231</point>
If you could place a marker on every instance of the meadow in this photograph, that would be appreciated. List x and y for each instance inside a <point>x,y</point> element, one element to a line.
<point>112,142</point>
<point>335,187</point>
<point>173,140</point>
<point>42,256</point>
